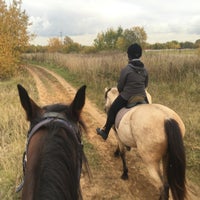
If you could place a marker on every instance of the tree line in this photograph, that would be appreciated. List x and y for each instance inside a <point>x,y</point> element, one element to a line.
<point>110,40</point>
<point>15,39</point>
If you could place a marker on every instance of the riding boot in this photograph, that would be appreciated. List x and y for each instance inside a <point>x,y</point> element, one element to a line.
<point>102,133</point>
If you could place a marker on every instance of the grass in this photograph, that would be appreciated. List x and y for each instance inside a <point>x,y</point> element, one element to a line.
<point>13,128</point>
<point>174,82</point>
<point>92,155</point>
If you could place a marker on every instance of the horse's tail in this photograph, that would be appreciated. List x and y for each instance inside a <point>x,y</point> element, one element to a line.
<point>176,160</point>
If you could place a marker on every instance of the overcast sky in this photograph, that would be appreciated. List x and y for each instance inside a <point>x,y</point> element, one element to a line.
<point>82,20</point>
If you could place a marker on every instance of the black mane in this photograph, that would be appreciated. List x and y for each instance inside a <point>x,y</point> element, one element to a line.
<point>60,163</point>
<point>54,150</point>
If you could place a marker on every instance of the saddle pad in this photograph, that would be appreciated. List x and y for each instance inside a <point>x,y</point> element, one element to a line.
<point>119,116</point>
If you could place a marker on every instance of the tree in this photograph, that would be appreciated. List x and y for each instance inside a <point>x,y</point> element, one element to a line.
<point>134,35</point>
<point>74,47</point>
<point>14,36</point>
<point>70,46</point>
<point>108,40</point>
<point>197,43</point>
<point>187,45</point>
<point>172,45</point>
<point>68,40</point>
<point>99,42</point>
<point>119,39</point>
<point>121,43</point>
<point>54,45</point>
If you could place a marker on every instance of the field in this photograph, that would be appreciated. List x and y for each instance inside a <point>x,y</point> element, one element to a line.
<point>13,127</point>
<point>174,82</point>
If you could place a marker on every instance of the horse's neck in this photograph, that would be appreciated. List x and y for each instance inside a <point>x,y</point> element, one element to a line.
<point>51,171</point>
<point>58,169</point>
<point>33,159</point>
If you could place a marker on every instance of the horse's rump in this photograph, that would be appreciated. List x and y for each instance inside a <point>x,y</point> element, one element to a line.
<point>145,123</point>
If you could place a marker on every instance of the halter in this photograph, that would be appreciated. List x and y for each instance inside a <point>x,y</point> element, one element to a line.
<point>48,118</point>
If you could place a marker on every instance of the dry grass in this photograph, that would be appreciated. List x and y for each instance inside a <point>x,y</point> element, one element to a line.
<point>13,128</point>
<point>174,82</point>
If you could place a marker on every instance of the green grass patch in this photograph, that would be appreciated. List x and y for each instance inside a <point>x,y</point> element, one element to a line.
<point>92,154</point>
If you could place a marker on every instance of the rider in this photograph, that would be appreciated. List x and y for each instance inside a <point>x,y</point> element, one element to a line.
<point>132,82</point>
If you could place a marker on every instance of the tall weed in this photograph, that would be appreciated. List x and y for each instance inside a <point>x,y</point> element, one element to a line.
<point>13,127</point>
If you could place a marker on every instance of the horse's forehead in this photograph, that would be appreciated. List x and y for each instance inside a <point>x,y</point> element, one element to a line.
<point>55,108</point>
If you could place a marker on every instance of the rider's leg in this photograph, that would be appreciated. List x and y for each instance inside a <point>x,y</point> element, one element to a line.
<point>115,107</point>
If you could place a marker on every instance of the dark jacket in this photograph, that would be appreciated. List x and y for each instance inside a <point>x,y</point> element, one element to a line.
<point>133,79</point>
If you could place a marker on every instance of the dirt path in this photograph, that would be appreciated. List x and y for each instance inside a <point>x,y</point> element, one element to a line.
<point>106,182</point>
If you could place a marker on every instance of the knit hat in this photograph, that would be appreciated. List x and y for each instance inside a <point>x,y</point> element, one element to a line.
<point>134,51</point>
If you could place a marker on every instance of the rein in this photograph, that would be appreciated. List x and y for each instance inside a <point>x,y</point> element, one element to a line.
<point>51,117</point>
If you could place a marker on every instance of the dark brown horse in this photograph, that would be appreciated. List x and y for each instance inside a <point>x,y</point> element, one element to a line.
<point>54,153</point>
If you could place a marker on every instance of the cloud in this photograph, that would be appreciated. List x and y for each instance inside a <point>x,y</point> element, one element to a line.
<point>39,24</point>
<point>88,17</point>
<point>194,27</point>
<point>66,20</point>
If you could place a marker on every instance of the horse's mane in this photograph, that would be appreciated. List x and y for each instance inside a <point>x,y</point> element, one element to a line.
<point>54,159</point>
<point>58,166</point>
<point>60,160</point>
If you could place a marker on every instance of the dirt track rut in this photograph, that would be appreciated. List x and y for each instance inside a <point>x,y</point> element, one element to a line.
<point>106,182</point>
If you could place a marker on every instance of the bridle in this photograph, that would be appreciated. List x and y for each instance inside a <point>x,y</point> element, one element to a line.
<point>106,93</point>
<point>48,118</point>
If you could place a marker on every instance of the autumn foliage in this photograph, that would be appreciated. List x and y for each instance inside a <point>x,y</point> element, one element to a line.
<point>13,36</point>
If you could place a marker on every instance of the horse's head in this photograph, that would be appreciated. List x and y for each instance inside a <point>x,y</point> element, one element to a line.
<point>110,95</point>
<point>53,144</point>
<point>35,112</point>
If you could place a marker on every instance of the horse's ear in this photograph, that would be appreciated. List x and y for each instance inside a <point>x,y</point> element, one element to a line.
<point>30,107</point>
<point>149,98</point>
<point>78,102</point>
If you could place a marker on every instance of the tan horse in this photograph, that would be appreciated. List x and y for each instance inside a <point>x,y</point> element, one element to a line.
<point>157,132</point>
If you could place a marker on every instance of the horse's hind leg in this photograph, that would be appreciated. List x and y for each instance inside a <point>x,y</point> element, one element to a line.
<point>122,152</point>
<point>154,171</point>
<point>124,176</point>
<point>117,152</point>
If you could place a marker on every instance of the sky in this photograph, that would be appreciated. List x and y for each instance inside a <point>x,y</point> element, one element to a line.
<point>82,20</point>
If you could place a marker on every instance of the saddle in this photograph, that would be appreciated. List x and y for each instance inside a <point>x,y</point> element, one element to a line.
<point>136,100</point>
<point>133,101</point>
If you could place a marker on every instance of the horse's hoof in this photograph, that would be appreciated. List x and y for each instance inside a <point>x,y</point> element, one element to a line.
<point>116,154</point>
<point>128,148</point>
<point>124,176</point>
